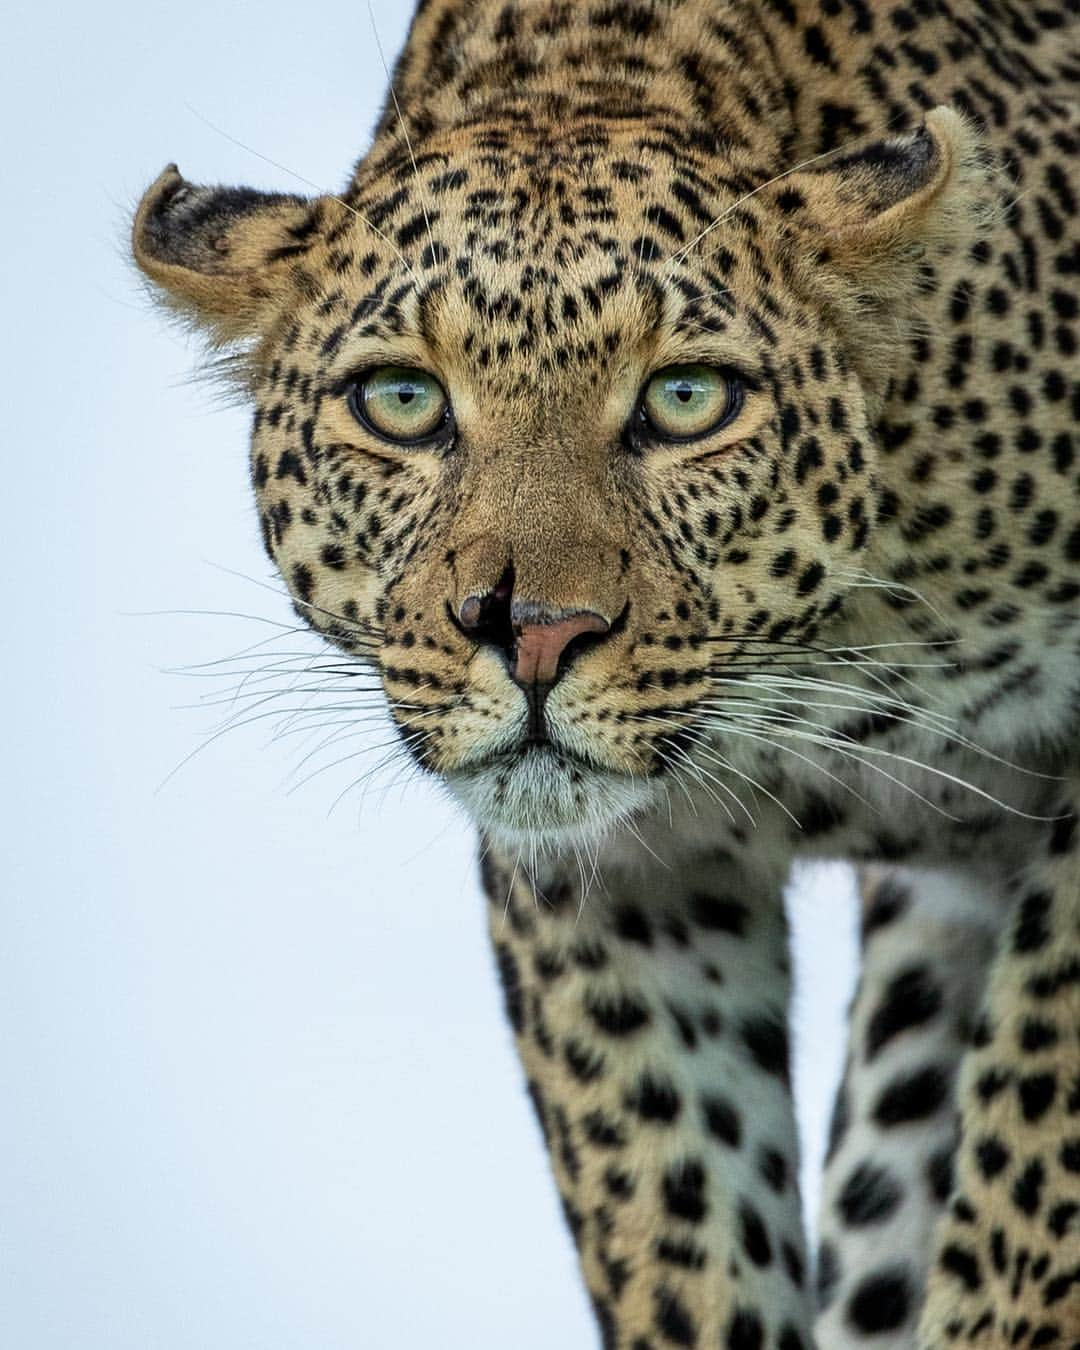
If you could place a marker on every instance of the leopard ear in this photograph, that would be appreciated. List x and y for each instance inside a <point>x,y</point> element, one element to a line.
<point>872,214</point>
<point>226,258</point>
<point>866,232</point>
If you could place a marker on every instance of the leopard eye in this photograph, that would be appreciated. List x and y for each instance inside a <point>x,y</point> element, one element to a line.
<point>400,404</point>
<point>681,403</point>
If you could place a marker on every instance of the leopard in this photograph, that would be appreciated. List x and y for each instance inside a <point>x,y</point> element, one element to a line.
<point>676,414</point>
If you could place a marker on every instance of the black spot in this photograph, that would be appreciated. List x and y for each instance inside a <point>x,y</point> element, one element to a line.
<point>881,1301</point>
<point>586,1065</point>
<point>889,901</point>
<point>911,999</point>
<point>773,1167</point>
<point>685,1026</point>
<point>992,1157</point>
<point>673,1318</point>
<point>1063,1217</point>
<point>722,1121</point>
<point>913,1096</point>
<point>793,1264</point>
<point>632,925</point>
<point>963,1264</point>
<point>1032,930</point>
<point>991,1083</point>
<point>1035,1035</point>
<point>755,1236</point>
<point>869,1195</point>
<point>619,1184</point>
<point>828,1275</point>
<point>510,978</point>
<point>1037,1094</point>
<point>536,1096</point>
<point>574,1219</point>
<point>766,1037</point>
<point>683,1188</point>
<point>290,466</point>
<point>719,914</point>
<point>303,582</point>
<point>681,1252</point>
<point>939,1173</point>
<point>655,1099</point>
<point>602,1131</point>
<point>745,1331</point>
<point>818,816</point>
<point>609,1328</point>
<point>617,1014</point>
<point>1027,1191</point>
<point>811,578</point>
<point>1059,1286</point>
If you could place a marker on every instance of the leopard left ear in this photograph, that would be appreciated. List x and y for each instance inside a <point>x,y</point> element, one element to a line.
<point>866,233</point>
<point>225,258</point>
<point>867,212</point>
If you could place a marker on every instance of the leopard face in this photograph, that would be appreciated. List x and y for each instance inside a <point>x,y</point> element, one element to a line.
<point>550,576</point>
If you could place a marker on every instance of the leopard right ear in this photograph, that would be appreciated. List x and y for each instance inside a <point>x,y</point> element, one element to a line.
<point>226,258</point>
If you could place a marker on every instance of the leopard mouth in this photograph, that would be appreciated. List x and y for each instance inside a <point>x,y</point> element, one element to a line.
<point>544,794</point>
<point>532,748</point>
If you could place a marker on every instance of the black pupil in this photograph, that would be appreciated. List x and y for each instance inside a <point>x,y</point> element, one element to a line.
<point>406,395</point>
<point>684,393</point>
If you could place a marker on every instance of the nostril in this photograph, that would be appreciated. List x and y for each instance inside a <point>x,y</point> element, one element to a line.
<point>486,618</point>
<point>581,643</point>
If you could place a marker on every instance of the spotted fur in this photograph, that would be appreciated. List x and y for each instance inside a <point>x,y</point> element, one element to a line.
<point>846,623</point>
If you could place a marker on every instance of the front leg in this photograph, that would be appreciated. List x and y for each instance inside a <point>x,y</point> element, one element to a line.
<point>928,937</point>
<point>1007,1264</point>
<point>651,1017</point>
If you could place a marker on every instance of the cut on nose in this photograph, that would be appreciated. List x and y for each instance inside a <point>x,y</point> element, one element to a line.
<point>540,646</point>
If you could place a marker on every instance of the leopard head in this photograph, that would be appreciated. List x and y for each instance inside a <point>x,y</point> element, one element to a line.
<point>553,425</point>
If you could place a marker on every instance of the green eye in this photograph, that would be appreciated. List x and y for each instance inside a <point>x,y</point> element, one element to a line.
<point>683,402</point>
<point>401,404</point>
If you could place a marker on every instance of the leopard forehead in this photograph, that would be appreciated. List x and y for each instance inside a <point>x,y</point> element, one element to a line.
<point>525,258</point>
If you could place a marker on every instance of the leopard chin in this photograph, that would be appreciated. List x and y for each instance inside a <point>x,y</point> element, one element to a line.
<point>542,799</point>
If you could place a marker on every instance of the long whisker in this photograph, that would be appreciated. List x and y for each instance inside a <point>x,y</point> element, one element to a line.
<point>680,254</point>
<point>404,129</point>
<point>368,630</point>
<point>308,183</point>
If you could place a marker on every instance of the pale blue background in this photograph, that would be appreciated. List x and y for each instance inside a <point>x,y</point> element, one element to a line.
<point>255,1086</point>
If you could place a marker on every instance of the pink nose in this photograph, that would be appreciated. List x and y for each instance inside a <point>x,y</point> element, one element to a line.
<point>539,646</point>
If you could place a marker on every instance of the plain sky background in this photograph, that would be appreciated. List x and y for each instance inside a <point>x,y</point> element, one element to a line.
<point>257,1091</point>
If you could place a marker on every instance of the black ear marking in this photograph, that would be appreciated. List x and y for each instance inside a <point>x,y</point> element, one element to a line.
<point>198,227</point>
<point>219,255</point>
<point>894,188</point>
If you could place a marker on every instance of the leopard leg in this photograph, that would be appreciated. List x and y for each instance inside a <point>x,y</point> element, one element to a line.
<point>651,1017</point>
<point>1007,1261</point>
<point>928,938</point>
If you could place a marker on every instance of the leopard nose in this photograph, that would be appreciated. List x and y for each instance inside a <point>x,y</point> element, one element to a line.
<point>537,641</point>
<point>544,639</point>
